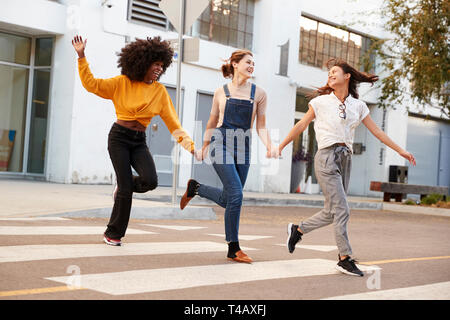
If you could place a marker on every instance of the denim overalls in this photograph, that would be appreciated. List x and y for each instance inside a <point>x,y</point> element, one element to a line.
<point>230,150</point>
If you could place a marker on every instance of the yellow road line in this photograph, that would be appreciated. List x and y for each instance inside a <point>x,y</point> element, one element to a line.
<point>38,290</point>
<point>404,260</point>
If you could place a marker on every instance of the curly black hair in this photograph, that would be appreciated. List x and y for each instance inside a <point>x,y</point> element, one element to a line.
<point>136,57</point>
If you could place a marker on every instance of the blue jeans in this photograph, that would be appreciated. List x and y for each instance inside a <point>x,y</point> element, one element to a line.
<point>233,172</point>
<point>231,153</point>
<point>233,178</point>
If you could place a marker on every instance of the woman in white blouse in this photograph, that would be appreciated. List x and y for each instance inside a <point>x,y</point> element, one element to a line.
<point>337,111</point>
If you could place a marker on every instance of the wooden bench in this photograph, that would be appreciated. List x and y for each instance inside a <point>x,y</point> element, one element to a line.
<point>399,189</point>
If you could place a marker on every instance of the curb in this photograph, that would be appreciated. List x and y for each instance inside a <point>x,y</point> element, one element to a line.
<point>257,201</point>
<point>156,212</point>
<point>429,211</point>
<point>357,205</point>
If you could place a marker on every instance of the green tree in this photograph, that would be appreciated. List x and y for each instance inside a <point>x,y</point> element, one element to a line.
<point>416,58</point>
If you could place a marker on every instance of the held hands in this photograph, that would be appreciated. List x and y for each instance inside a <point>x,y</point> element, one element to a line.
<point>79,45</point>
<point>201,154</point>
<point>408,156</point>
<point>273,152</point>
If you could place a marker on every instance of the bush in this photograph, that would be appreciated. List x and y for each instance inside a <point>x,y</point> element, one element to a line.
<point>443,204</point>
<point>432,199</point>
<point>410,202</point>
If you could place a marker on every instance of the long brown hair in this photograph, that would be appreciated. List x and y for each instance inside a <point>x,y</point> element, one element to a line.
<point>236,56</point>
<point>356,77</point>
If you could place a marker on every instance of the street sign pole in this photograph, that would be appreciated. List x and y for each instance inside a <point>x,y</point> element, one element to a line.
<point>178,99</point>
<point>182,14</point>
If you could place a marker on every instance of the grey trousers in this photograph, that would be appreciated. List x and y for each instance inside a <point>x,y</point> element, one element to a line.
<point>332,167</point>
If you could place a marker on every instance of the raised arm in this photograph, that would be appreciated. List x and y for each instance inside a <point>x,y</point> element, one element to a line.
<point>383,137</point>
<point>298,128</point>
<point>104,88</point>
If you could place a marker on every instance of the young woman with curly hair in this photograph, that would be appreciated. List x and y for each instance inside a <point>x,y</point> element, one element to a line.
<point>138,97</point>
<point>227,140</point>
<point>337,111</point>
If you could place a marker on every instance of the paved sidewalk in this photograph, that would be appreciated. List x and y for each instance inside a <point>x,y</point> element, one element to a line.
<point>21,198</point>
<point>26,198</point>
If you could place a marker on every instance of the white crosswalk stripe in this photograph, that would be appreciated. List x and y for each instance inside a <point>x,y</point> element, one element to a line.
<point>172,227</point>
<point>323,248</point>
<point>35,219</point>
<point>154,280</point>
<point>60,230</point>
<point>435,291</point>
<point>66,251</point>
<point>242,236</point>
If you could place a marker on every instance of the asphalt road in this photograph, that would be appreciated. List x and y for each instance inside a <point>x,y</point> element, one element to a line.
<point>404,257</point>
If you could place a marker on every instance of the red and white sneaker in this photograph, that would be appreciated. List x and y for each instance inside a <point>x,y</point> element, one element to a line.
<point>111,242</point>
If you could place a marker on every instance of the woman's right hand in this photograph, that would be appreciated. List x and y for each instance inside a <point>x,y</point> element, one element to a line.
<point>79,45</point>
<point>279,149</point>
<point>202,153</point>
<point>198,153</point>
<point>408,156</point>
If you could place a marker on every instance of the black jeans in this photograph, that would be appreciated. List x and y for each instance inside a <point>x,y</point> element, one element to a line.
<point>128,148</point>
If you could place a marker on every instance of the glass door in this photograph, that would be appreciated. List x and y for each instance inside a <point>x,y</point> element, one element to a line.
<point>15,52</point>
<point>39,106</point>
<point>25,65</point>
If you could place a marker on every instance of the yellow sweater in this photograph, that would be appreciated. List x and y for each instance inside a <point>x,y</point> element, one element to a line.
<point>136,100</point>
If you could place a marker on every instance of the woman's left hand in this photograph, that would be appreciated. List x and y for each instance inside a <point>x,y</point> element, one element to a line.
<point>272,152</point>
<point>198,154</point>
<point>408,156</point>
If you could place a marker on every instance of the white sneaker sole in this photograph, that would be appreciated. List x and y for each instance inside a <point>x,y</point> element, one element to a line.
<point>347,272</point>
<point>111,243</point>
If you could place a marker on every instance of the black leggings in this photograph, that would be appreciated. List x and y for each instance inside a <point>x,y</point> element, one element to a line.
<point>128,148</point>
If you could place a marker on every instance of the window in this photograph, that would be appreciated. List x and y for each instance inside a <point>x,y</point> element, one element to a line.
<point>284,59</point>
<point>308,137</point>
<point>24,97</point>
<point>229,22</point>
<point>148,12</point>
<point>320,42</point>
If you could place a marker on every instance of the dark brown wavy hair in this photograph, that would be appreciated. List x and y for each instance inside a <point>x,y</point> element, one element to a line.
<point>356,77</point>
<point>136,57</point>
<point>236,56</point>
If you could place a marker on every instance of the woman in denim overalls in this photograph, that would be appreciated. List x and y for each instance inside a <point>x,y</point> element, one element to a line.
<point>229,145</point>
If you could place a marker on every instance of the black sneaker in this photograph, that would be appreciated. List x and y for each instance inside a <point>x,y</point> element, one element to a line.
<point>191,192</point>
<point>348,266</point>
<point>294,236</point>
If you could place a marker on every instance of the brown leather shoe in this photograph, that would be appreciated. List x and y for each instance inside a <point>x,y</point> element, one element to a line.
<point>184,200</point>
<point>189,194</point>
<point>241,257</point>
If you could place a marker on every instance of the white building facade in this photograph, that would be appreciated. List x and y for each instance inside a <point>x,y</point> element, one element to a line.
<point>58,132</point>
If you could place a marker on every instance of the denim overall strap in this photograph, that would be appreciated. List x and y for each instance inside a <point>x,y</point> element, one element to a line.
<point>227,92</point>
<point>252,93</point>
